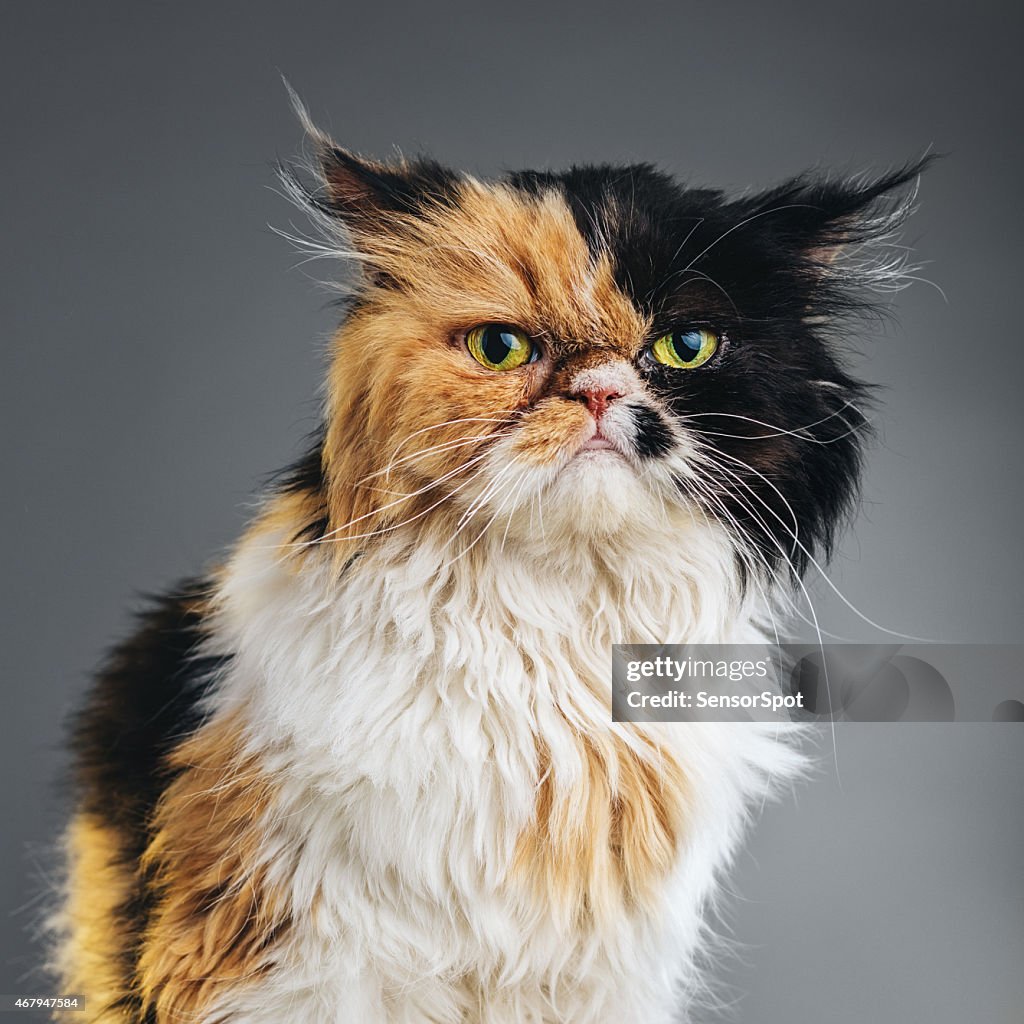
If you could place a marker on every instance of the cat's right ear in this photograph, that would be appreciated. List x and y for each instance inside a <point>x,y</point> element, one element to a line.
<point>365,195</point>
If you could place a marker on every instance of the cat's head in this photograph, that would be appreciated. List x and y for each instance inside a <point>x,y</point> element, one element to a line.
<point>590,353</point>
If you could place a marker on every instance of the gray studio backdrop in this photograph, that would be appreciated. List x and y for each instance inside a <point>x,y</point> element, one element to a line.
<point>161,354</point>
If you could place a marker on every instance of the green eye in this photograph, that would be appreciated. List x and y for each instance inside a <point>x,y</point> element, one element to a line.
<point>685,349</point>
<point>500,346</point>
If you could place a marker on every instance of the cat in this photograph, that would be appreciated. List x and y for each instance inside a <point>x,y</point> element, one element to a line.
<point>365,770</point>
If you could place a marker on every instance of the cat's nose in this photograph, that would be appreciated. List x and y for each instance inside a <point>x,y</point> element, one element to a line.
<point>598,399</point>
<point>599,386</point>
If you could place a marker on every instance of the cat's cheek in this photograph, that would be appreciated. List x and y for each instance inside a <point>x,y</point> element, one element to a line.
<point>442,398</point>
<point>551,433</point>
<point>521,467</point>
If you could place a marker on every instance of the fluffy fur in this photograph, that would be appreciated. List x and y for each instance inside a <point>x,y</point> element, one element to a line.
<point>366,771</point>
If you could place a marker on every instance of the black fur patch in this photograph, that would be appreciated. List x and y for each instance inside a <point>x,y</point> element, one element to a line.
<point>653,436</point>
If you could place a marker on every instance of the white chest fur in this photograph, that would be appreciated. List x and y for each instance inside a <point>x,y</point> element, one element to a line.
<point>400,710</point>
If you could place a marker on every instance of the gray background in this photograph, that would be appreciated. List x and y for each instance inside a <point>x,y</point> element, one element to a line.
<point>160,355</point>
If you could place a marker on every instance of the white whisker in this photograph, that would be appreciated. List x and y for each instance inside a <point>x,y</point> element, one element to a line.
<point>437,426</point>
<point>778,431</point>
<point>814,562</point>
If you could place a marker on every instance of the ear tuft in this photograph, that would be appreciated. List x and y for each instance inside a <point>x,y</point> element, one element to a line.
<point>867,210</point>
<point>837,211</point>
<point>361,192</point>
<point>844,232</point>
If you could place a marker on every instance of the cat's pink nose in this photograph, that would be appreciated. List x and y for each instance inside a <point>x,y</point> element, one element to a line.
<point>598,399</point>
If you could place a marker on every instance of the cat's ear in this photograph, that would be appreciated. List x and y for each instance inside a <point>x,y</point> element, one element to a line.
<point>364,192</point>
<point>820,220</point>
<point>364,195</point>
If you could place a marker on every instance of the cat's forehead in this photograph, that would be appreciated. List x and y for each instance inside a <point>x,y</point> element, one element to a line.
<point>508,252</point>
<point>577,257</point>
<point>642,221</point>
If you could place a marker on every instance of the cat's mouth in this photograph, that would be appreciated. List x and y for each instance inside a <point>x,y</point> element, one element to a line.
<point>600,439</point>
<point>598,442</point>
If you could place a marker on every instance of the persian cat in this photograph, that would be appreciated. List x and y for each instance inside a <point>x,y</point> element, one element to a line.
<point>365,769</point>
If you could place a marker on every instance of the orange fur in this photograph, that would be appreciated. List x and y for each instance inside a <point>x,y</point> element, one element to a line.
<point>553,424</point>
<point>604,840</point>
<point>216,915</point>
<point>402,382</point>
<point>289,513</point>
<point>91,959</point>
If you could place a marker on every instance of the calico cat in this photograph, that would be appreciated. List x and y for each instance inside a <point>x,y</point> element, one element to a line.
<point>365,770</point>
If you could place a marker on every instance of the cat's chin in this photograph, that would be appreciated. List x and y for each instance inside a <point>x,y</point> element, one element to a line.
<point>597,493</point>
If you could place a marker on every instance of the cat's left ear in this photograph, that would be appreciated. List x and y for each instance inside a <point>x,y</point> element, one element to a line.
<point>819,218</point>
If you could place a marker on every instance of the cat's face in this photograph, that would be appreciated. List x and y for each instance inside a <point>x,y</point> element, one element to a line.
<point>595,352</point>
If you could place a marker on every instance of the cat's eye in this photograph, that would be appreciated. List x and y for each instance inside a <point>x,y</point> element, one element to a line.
<point>685,349</point>
<point>500,346</point>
